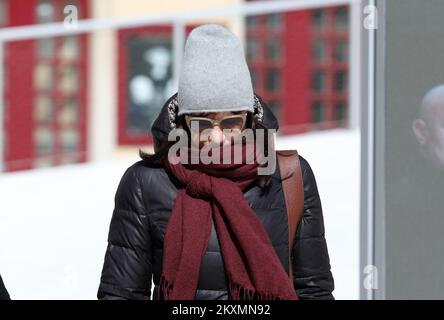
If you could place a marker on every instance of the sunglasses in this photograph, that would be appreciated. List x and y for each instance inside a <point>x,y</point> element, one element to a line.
<point>232,122</point>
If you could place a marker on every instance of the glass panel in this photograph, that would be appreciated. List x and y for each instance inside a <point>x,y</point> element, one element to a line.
<point>273,79</point>
<point>341,19</point>
<point>45,11</point>
<point>44,140</point>
<point>69,113</point>
<point>69,50</point>
<point>252,21</point>
<point>69,140</point>
<point>318,19</point>
<point>252,49</point>
<point>274,20</point>
<point>317,111</point>
<point>43,110</point>
<point>274,48</point>
<point>3,12</point>
<point>318,50</point>
<point>43,77</point>
<point>340,111</point>
<point>340,81</point>
<point>45,48</point>
<point>318,81</point>
<point>341,51</point>
<point>69,79</point>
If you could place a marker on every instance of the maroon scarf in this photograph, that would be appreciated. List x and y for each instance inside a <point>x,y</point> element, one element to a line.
<point>254,270</point>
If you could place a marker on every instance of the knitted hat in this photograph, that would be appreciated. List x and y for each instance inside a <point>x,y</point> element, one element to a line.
<point>214,75</point>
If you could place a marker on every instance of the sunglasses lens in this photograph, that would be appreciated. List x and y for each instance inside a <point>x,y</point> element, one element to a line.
<point>200,124</point>
<point>235,123</point>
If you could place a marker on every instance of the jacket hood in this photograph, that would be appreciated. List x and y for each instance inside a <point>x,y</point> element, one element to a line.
<point>163,124</point>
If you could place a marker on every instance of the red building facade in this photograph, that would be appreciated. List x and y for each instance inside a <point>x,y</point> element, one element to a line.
<point>299,65</point>
<point>46,89</point>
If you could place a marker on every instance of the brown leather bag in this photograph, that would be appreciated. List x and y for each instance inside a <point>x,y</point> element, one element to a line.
<point>293,187</point>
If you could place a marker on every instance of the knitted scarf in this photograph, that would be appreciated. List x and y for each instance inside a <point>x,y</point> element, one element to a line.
<point>252,265</point>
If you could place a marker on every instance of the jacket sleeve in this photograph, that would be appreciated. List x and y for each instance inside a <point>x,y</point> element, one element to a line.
<point>310,260</point>
<point>127,268</point>
<point>4,295</point>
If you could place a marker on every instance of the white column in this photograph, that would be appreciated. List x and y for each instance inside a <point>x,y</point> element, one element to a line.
<point>102,124</point>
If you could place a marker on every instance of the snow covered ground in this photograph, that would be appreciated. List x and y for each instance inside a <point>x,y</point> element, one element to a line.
<point>54,221</point>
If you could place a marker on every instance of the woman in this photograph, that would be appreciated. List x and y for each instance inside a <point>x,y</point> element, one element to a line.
<point>212,231</point>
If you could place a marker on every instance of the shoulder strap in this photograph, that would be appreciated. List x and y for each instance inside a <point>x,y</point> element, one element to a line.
<point>293,187</point>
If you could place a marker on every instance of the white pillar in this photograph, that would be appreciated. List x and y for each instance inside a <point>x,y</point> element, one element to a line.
<point>102,123</point>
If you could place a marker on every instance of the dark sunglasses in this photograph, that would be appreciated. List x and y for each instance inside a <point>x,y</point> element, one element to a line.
<point>232,122</point>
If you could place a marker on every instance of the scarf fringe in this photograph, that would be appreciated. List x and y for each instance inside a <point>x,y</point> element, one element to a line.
<point>241,293</point>
<point>165,288</point>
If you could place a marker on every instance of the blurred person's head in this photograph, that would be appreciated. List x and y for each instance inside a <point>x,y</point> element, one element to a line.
<point>429,126</point>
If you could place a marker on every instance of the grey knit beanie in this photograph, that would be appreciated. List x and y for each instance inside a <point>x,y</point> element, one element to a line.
<point>214,75</point>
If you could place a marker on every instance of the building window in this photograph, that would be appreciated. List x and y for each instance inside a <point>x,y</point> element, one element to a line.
<point>318,112</point>
<point>274,20</point>
<point>43,109</point>
<point>274,51</point>
<point>150,75</point>
<point>319,50</point>
<point>69,113</point>
<point>69,49</point>
<point>341,51</point>
<point>341,19</point>
<point>69,141</point>
<point>318,81</point>
<point>340,111</point>
<point>43,76</point>
<point>318,19</point>
<point>3,12</point>
<point>340,81</point>
<point>252,21</point>
<point>69,79</point>
<point>253,49</point>
<point>273,80</point>
<point>145,72</point>
<point>45,11</point>
<point>44,141</point>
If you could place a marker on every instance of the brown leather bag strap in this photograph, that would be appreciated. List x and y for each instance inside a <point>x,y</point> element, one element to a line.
<point>293,187</point>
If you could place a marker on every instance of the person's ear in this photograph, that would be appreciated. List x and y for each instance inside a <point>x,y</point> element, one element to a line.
<point>420,130</point>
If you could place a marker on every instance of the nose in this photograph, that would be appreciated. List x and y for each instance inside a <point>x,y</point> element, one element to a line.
<point>216,136</point>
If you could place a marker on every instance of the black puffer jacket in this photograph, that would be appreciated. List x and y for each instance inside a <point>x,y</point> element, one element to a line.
<point>143,204</point>
<point>4,295</point>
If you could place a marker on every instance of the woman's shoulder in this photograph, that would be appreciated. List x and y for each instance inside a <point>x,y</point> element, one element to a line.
<point>307,173</point>
<point>305,165</point>
<point>142,172</point>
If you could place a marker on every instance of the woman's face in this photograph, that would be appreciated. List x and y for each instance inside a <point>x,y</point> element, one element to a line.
<point>215,128</point>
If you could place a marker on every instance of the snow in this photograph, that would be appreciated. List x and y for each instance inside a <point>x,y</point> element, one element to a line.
<point>54,221</point>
